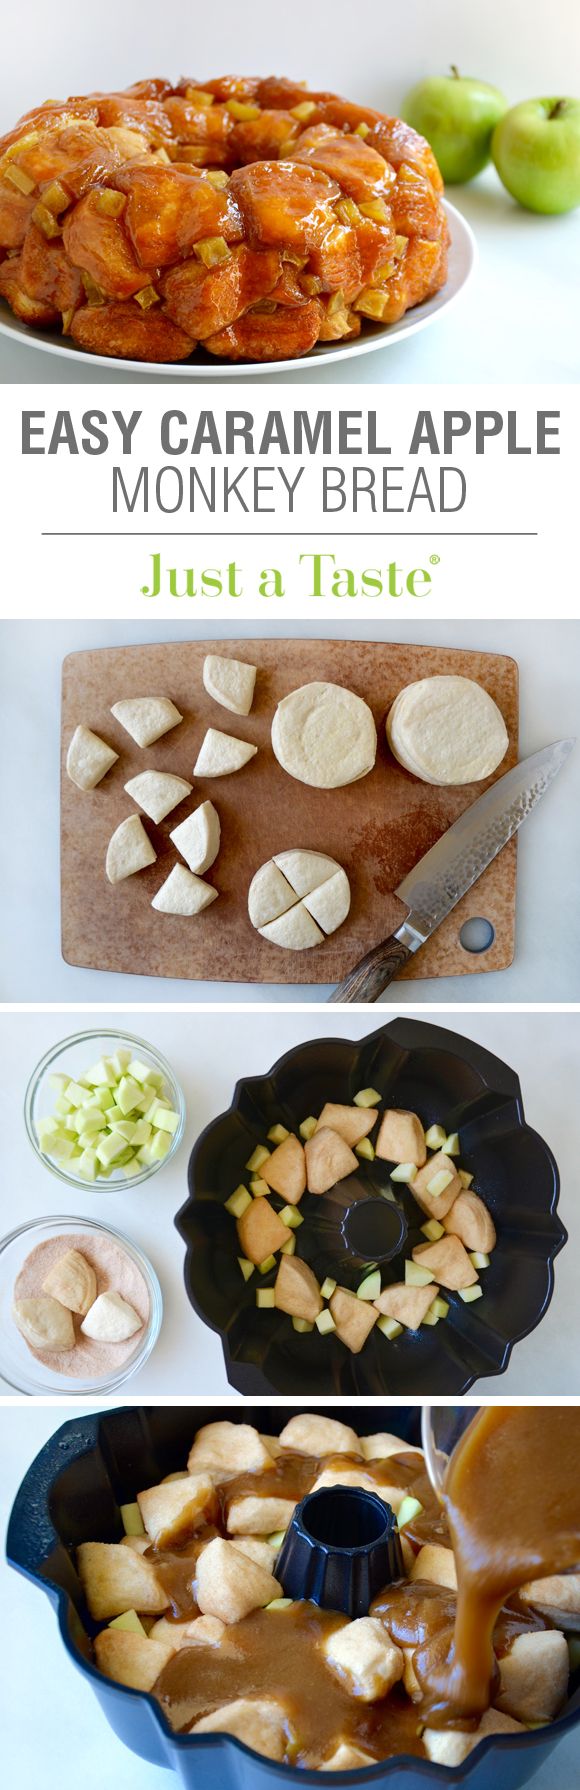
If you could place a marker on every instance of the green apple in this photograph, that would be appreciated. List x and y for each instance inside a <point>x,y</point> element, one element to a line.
<point>458,117</point>
<point>536,150</point>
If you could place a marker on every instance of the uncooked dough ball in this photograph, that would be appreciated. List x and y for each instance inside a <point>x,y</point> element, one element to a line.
<point>324,735</point>
<point>447,730</point>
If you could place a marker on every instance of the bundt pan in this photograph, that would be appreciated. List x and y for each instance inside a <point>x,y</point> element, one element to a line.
<point>249,219</point>
<point>72,1493</point>
<point>444,1078</point>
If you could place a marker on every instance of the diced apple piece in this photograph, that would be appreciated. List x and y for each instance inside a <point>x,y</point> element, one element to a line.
<point>129,850</point>
<point>131,1519</point>
<point>183,893</point>
<point>365,1149</point>
<point>449,1261</point>
<point>291,1217</point>
<point>157,792</point>
<point>297,1291</point>
<point>389,1328</point>
<point>401,1137</point>
<point>370,1287</point>
<point>470,1220</point>
<point>88,758</point>
<point>238,1202</point>
<point>435,1564</point>
<point>406,1304</point>
<point>261,1232</point>
<point>259,1188</point>
<point>130,1623</point>
<point>277,1134</point>
<point>325,1323</point>
<point>146,718</point>
<point>266,1266</point>
<point>440,1308</point>
<point>363,1652</point>
<point>222,753</point>
<point>230,682</point>
<point>433,1230</point>
<point>435,1137</point>
<point>354,1319</point>
<point>229,1585</point>
<point>415,1276</point>
<point>265,1300</point>
<point>258,1157</point>
<point>351,1122</point>
<point>367,1097</point>
<point>285,1170</point>
<point>246,1268</point>
<point>451,1147</point>
<point>436,1204</point>
<point>410,1508</point>
<point>328,1160</point>
<point>198,838</point>
<point>405,1171</point>
<point>328,1287</point>
<point>308,1128</point>
<point>469,1294</point>
<point>115,1579</point>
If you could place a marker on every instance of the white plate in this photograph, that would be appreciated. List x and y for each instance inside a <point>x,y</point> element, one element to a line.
<point>462,256</point>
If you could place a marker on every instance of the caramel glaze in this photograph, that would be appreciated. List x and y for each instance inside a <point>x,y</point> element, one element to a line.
<point>274,1652</point>
<point>291,1476</point>
<point>279,1651</point>
<point>512,1500</point>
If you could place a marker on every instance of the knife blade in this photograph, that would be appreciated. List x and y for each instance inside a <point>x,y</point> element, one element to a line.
<point>445,873</point>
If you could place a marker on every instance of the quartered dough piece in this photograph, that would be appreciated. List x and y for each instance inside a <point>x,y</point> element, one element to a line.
<point>221,753</point>
<point>44,1323</point>
<point>111,1319</point>
<point>146,718</point>
<point>88,758</point>
<point>129,850</point>
<point>297,897</point>
<point>324,735</point>
<point>230,682</point>
<point>330,903</point>
<point>157,792</point>
<point>72,1281</point>
<point>447,730</point>
<point>198,837</point>
<point>305,870</point>
<point>296,930</point>
<point>269,894</point>
<point>183,893</point>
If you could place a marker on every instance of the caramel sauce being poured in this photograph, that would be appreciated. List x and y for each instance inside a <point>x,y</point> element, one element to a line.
<point>511,1496</point>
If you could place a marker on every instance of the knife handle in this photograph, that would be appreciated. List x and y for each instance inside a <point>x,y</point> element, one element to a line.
<point>372,975</point>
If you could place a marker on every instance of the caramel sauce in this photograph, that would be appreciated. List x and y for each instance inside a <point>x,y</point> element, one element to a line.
<point>512,1501</point>
<point>279,1651</point>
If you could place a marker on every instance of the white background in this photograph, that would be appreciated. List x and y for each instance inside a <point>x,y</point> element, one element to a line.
<point>50,1712</point>
<point>516,320</point>
<point>209,1053</point>
<point>547,961</point>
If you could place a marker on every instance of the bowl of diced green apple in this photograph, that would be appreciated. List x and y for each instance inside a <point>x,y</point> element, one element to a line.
<point>104,1107</point>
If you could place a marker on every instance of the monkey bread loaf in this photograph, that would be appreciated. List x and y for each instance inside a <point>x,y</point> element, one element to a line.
<point>246,216</point>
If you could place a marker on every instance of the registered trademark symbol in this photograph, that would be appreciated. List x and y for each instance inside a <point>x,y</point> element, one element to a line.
<point>434,559</point>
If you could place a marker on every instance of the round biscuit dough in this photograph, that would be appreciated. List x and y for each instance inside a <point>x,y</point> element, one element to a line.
<point>447,730</point>
<point>324,735</point>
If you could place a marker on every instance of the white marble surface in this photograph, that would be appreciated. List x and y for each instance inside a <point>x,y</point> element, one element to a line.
<point>547,959</point>
<point>49,1711</point>
<point>209,1051</point>
<point>517,320</point>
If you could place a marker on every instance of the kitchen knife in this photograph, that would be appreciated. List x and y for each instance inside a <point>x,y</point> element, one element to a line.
<point>435,885</point>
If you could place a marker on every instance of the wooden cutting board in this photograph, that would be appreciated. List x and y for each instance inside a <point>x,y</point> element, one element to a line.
<point>377,828</point>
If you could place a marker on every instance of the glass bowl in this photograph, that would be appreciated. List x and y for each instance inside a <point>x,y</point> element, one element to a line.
<point>74,1056</point>
<point>18,1367</point>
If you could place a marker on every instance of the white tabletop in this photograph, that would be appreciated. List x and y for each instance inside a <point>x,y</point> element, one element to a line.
<point>547,958</point>
<point>209,1052</point>
<point>48,1705</point>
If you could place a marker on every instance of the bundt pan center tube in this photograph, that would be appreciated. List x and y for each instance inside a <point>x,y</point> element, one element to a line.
<point>72,1493</point>
<point>250,218</point>
<point>367,1220</point>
